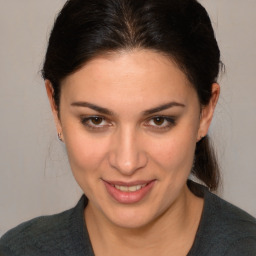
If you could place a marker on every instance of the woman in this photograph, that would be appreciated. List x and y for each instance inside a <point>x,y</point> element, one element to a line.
<point>133,88</point>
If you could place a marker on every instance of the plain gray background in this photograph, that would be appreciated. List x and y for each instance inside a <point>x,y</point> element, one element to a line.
<point>34,175</point>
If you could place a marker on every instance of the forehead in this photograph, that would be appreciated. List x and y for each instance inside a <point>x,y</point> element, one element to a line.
<point>138,75</point>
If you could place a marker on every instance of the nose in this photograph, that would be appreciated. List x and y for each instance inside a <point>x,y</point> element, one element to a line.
<point>127,154</point>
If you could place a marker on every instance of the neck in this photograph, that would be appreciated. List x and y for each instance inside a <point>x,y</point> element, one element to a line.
<point>178,223</point>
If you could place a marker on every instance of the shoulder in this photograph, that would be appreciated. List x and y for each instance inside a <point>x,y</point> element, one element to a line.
<point>236,228</point>
<point>245,246</point>
<point>230,219</point>
<point>225,229</point>
<point>31,236</point>
<point>42,235</point>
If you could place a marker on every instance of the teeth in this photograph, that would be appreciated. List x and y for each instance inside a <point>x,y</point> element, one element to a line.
<point>130,189</point>
<point>134,188</point>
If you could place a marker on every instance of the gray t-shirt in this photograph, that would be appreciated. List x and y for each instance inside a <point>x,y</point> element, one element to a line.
<point>224,230</point>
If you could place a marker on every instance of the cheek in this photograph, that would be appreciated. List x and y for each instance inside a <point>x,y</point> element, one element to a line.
<point>176,151</point>
<point>86,153</point>
<point>86,158</point>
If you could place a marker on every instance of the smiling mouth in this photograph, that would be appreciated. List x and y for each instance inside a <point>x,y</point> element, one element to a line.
<point>129,188</point>
<point>129,192</point>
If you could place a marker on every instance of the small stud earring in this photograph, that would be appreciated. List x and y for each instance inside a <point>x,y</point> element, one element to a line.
<point>200,138</point>
<point>59,137</point>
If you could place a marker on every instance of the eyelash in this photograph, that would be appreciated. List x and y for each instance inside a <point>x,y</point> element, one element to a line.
<point>167,120</point>
<point>85,121</point>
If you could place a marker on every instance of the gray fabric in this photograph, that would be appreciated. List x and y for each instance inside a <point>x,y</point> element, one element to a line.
<point>224,230</point>
<point>56,235</point>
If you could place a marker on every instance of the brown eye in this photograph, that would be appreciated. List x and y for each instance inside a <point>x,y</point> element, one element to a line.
<point>96,123</point>
<point>158,120</point>
<point>96,120</point>
<point>161,123</point>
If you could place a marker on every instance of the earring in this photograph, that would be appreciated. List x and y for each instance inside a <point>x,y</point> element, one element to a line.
<point>59,137</point>
<point>200,138</point>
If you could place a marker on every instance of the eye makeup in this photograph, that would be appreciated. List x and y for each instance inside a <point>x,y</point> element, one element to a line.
<point>156,123</point>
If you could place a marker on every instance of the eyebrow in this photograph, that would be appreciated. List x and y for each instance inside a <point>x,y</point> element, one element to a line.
<point>109,112</point>
<point>163,107</point>
<point>93,106</point>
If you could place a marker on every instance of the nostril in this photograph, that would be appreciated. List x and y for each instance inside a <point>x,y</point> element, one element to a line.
<point>126,154</point>
<point>127,164</point>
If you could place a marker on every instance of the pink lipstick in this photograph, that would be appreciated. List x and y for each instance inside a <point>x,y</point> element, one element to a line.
<point>128,192</point>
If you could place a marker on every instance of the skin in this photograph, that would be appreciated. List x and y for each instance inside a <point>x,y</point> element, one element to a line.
<point>131,144</point>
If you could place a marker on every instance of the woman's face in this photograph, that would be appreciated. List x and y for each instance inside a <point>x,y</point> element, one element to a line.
<point>130,122</point>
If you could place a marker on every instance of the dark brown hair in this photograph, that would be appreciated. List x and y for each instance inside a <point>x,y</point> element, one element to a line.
<point>180,29</point>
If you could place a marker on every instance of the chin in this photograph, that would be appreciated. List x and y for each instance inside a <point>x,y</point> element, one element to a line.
<point>134,216</point>
<point>131,220</point>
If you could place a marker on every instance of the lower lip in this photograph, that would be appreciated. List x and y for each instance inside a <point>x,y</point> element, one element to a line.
<point>128,197</point>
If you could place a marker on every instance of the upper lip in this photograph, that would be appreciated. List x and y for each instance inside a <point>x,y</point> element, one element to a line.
<point>128,184</point>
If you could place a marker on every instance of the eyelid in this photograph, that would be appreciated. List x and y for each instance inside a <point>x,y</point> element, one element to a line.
<point>170,119</point>
<point>85,119</point>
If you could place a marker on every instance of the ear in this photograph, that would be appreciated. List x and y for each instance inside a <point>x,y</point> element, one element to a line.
<point>207,112</point>
<point>55,112</point>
